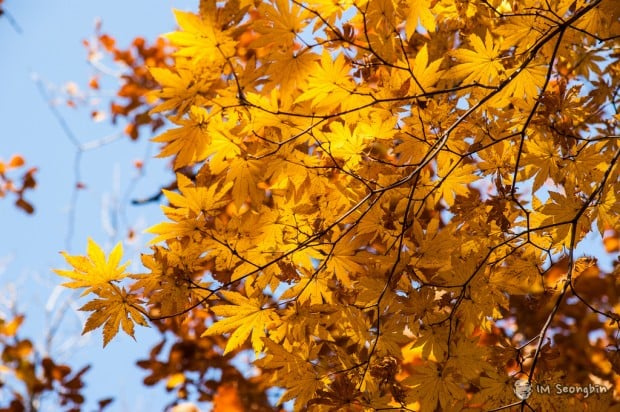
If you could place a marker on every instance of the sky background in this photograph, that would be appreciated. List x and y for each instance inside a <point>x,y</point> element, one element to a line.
<point>50,48</point>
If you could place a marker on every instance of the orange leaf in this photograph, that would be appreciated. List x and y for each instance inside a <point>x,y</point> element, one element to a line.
<point>612,243</point>
<point>93,83</point>
<point>10,329</point>
<point>227,399</point>
<point>16,161</point>
<point>107,41</point>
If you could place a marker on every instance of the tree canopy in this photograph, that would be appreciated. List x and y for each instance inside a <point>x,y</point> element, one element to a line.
<point>383,204</point>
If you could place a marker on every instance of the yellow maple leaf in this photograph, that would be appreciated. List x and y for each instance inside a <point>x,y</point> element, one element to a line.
<point>432,384</point>
<point>93,271</point>
<point>517,32</point>
<point>290,70</point>
<point>542,160</point>
<point>302,380</point>
<point>454,178</point>
<point>346,260</point>
<point>495,387</point>
<point>201,39</point>
<point>608,209</point>
<point>313,289</point>
<point>344,143</point>
<point>330,83</point>
<point>245,317</point>
<point>280,24</point>
<point>561,211</point>
<point>480,65</point>
<point>432,340</point>
<point>172,230</point>
<point>180,89</point>
<point>190,142</point>
<point>195,199</point>
<point>419,12</point>
<point>246,174</point>
<point>114,309</point>
<point>425,75</point>
<point>523,88</point>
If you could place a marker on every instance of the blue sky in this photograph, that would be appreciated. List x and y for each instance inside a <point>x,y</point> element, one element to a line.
<point>50,46</point>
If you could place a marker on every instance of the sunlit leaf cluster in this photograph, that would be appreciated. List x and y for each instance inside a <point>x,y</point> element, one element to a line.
<point>388,202</point>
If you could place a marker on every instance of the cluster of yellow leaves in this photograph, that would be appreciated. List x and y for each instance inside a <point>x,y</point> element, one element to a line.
<point>113,307</point>
<point>368,180</point>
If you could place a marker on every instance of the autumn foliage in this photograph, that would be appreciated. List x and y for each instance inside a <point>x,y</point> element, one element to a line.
<point>132,101</point>
<point>16,179</point>
<point>382,206</point>
<point>31,375</point>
